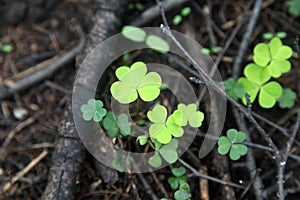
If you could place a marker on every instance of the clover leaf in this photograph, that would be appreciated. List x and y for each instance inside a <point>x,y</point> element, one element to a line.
<point>183,193</point>
<point>134,81</point>
<point>115,126</point>
<point>178,178</point>
<point>168,152</point>
<point>134,33</point>
<point>93,110</point>
<point>234,89</point>
<point>157,43</point>
<point>177,20</point>
<point>188,114</point>
<point>185,11</point>
<point>142,139</point>
<point>231,144</point>
<point>162,128</point>
<point>294,7</point>
<point>273,56</point>
<point>287,98</point>
<point>256,82</point>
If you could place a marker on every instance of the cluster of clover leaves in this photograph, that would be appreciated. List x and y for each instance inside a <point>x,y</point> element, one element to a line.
<point>135,82</point>
<point>270,61</point>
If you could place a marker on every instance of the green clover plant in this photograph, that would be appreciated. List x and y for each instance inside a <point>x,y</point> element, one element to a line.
<point>212,50</point>
<point>139,35</point>
<point>287,98</point>
<point>294,7</point>
<point>279,34</point>
<point>115,125</point>
<point>134,81</point>
<point>256,83</point>
<point>93,110</point>
<point>178,178</point>
<point>183,13</point>
<point>232,144</point>
<point>273,56</point>
<point>183,193</point>
<point>137,6</point>
<point>188,114</point>
<point>234,89</point>
<point>163,128</point>
<point>168,152</point>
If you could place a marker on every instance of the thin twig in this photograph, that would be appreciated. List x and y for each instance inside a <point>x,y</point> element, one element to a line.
<point>147,187</point>
<point>245,40</point>
<point>196,173</point>
<point>24,171</point>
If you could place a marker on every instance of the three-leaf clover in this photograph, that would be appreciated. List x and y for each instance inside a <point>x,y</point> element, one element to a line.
<point>287,98</point>
<point>114,125</point>
<point>168,152</point>
<point>255,82</point>
<point>178,178</point>
<point>93,110</point>
<point>273,56</point>
<point>183,193</point>
<point>162,128</point>
<point>134,81</point>
<point>234,89</point>
<point>188,114</point>
<point>232,143</point>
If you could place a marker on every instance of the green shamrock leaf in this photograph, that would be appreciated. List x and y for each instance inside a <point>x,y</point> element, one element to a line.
<point>287,98</point>
<point>157,43</point>
<point>178,178</point>
<point>142,139</point>
<point>134,33</point>
<point>133,81</point>
<point>273,56</point>
<point>257,74</point>
<point>184,192</point>
<point>177,20</point>
<point>93,110</point>
<point>162,128</point>
<point>188,114</point>
<point>234,89</point>
<point>231,144</point>
<point>155,160</point>
<point>115,126</point>
<point>293,7</point>
<point>185,11</point>
<point>268,92</point>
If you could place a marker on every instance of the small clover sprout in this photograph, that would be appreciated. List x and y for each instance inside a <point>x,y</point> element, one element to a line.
<point>135,80</point>
<point>157,43</point>
<point>273,56</point>
<point>177,20</point>
<point>188,114</point>
<point>142,139</point>
<point>212,50</point>
<point>279,34</point>
<point>183,193</point>
<point>178,178</point>
<point>287,98</point>
<point>115,125</point>
<point>294,7</point>
<point>133,33</point>
<point>255,82</point>
<point>162,128</point>
<point>185,11</point>
<point>6,48</point>
<point>168,152</point>
<point>232,144</point>
<point>137,6</point>
<point>93,110</point>
<point>234,89</point>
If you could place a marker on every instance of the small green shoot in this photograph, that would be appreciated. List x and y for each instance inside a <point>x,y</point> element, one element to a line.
<point>157,43</point>
<point>279,34</point>
<point>134,81</point>
<point>287,98</point>
<point>163,128</point>
<point>212,50</point>
<point>294,7</point>
<point>234,89</point>
<point>6,48</point>
<point>133,33</point>
<point>232,144</point>
<point>274,56</point>
<point>137,6</point>
<point>115,125</point>
<point>142,139</point>
<point>139,35</point>
<point>183,13</point>
<point>93,110</point>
